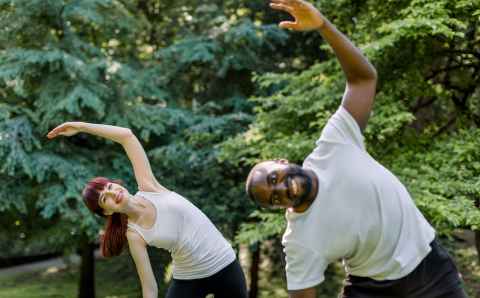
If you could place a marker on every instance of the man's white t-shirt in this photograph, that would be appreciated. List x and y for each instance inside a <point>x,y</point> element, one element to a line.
<point>362,214</point>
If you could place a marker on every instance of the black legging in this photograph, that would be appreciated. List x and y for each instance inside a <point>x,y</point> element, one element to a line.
<point>227,283</point>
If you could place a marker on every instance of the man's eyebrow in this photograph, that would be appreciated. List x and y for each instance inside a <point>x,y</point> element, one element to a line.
<point>270,199</point>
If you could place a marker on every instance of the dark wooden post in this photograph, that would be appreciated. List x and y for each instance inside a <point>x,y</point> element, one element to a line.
<point>254,268</point>
<point>87,269</point>
<point>477,233</point>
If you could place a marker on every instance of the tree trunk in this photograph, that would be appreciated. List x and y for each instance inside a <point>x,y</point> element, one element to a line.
<point>477,244</point>
<point>87,269</point>
<point>254,268</point>
<point>477,233</point>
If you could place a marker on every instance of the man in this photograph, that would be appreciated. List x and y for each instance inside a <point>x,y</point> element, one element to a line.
<point>342,204</point>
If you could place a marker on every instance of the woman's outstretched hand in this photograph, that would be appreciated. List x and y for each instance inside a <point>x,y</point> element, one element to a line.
<point>306,16</point>
<point>66,129</point>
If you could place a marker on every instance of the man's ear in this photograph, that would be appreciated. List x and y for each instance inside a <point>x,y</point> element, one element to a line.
<point>283,160</point>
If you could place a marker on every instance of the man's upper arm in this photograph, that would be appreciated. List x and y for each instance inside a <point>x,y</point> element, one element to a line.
<point>138,251</point>
<point>304,293</point>
<point>358,100</point>
<point>141,166</point>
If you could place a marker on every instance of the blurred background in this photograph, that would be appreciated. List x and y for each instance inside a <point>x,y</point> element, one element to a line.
<point>211,87</point>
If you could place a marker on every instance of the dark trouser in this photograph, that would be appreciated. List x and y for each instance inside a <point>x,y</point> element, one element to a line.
<point>227,283</point>
<point>435,277</point>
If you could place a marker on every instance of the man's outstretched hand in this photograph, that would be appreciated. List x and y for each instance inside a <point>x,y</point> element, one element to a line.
<point>306,16</point>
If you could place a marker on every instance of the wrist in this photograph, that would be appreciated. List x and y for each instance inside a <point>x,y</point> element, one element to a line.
<point>82,126</point>
<point>320,23</point>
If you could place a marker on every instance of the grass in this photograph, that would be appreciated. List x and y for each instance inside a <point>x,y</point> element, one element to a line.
<point>468,265</point>
<point>117,278</point>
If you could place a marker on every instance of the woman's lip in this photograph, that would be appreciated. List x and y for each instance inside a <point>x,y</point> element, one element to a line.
<point>118,198</point>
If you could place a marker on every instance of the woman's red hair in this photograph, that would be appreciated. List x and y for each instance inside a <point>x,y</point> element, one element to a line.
<point>114,239</point>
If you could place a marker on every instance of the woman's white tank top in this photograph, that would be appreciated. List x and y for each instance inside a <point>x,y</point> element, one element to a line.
<point>197,248</point>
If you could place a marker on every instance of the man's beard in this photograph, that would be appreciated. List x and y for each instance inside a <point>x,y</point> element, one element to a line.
<point>298,171</point>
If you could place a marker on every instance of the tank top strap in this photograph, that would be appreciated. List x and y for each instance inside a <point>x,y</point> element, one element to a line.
<point>146,234</point>
<point>144,196</point>
<point>138,230</point>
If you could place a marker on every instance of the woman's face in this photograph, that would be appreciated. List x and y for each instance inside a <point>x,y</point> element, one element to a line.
<point>113,198</point>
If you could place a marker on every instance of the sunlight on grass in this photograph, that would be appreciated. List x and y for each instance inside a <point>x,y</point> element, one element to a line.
<point>117,278</point>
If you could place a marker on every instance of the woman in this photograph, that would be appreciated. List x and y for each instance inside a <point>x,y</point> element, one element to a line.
<point>203,261</point>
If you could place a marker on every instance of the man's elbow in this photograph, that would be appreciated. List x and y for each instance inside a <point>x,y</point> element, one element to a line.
<point>373,74</point>
<point>364,80</point>
<point>369,77</point>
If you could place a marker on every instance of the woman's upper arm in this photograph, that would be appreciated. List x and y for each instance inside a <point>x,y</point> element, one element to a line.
<point>141,166</point>
<point>138,250</point>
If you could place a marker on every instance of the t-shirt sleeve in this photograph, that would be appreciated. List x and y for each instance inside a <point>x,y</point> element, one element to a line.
<point>304,267</point>
<point>343,128</point>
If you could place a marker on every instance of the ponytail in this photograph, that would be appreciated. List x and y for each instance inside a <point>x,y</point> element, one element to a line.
<point>114,239</point>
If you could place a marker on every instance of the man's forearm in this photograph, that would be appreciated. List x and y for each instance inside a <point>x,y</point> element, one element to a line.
<point>114,133</point>
<point>305,293</point>
<point>354,63</point>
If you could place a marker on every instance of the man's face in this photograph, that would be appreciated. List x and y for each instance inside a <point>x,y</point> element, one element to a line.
<point>279,184</point>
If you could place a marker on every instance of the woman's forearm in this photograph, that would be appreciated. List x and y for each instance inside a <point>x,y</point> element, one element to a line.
<point>150,292</point>
<point>114,133</point>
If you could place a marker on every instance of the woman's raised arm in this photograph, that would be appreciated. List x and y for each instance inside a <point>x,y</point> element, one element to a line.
<point>141,166</point>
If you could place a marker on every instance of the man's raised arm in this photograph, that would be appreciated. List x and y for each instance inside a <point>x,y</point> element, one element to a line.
<point>361,75</point>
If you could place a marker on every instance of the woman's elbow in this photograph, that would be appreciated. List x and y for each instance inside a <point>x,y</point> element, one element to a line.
<point>150,293</point>
<point>126,135</point>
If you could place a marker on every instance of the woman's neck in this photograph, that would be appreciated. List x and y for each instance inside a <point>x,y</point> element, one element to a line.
<point>134,209</point>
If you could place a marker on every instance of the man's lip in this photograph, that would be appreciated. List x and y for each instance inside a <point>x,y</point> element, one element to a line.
<point>291,190</point>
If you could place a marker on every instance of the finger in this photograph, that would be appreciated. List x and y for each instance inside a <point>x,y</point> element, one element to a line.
<point>285,2</point>
<point>57,130</point>
<point>291,3</point>
<point>288,25</point>
<point>282,7</point>
<point>51,135</point>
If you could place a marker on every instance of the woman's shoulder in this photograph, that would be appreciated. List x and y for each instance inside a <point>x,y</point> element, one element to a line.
<point>155,196</point>
<point>152,188</point>
<point>134,236</point>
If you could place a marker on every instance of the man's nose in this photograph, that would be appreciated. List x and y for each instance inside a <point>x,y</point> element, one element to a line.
<point>281,187</point>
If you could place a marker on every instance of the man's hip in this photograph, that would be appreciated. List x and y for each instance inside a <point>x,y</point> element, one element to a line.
<point>435,277</point>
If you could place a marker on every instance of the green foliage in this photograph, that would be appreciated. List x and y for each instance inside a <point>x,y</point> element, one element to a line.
<point>426,117</point>
<point>211,87</point>
<point>106,61</point>
<point>263,227</point>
